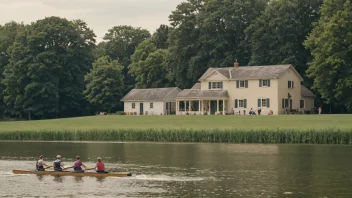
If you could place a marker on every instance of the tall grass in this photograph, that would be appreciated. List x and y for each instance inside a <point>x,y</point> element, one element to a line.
<point>328,136</point>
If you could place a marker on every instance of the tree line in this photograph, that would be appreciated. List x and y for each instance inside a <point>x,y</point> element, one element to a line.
<point>54,68</point>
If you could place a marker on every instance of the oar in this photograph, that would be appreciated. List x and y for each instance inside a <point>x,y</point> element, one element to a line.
<point>68,167</point>
<point>89,169</point>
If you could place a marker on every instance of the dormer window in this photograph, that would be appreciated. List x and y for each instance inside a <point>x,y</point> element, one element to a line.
<point>215,85</point>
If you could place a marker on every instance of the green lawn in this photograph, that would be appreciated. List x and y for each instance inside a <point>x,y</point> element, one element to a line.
<point>189,122</point>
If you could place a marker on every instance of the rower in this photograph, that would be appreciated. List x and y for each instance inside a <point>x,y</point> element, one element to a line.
<point>58,164</point>
<point>100,168</point>
<point>40,164</point>
<point>77,165</point>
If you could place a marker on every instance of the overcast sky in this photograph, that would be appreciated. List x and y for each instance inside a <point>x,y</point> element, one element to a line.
<point>100,15</point>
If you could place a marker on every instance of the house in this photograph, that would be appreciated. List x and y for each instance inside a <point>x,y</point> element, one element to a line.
<point>157,101</point>
<point>237,90</point>
<point>307,99</point>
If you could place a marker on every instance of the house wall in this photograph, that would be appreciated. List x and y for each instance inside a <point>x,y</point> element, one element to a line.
<point>127,106</point>
<point>283,90</point>
<point>252,93</point>
<point>158,107</point>
<point>308,103</point>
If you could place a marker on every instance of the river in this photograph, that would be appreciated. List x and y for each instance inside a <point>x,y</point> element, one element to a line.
<point>182,170</point>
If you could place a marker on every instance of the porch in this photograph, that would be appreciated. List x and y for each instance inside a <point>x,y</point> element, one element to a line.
<point>201,102</point>
<point>201,107</point>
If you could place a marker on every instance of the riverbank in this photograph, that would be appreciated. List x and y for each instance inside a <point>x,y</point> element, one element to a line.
<point>303,129</point>
<point>192,135</point>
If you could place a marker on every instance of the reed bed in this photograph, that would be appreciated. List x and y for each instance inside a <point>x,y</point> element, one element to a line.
<point>328,136</point>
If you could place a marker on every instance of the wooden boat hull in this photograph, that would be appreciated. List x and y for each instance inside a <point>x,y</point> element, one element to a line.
<point>69,173</point>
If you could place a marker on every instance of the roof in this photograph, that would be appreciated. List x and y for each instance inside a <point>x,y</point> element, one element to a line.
<point>155,94</point>
<point>250,72</point>
<point>197,93</point>
<point>305,92</point>
<point>196,86</point>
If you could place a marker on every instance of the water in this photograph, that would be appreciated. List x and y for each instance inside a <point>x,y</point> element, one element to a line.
<point>182,170</point>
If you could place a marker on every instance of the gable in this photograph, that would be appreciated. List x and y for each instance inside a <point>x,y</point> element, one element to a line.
<point>215,76</point>
<point>292,72</point>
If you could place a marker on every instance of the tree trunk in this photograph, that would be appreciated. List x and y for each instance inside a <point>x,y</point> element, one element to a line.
<point>109,110</point>
<point>29,114</point>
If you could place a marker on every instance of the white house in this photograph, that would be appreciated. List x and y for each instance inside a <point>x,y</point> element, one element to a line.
<point>156,101</point>
<point>274,89</point>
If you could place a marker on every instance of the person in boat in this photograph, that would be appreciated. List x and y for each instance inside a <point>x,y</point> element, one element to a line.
<point>58,164</point>
<point>100,167</point>
<point>40,164</point>
<point>77,165</point>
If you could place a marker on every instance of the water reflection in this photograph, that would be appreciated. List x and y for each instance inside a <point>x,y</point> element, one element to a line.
<point>189,170</point>
<point>100,179</point>
<point>78,178</point>
<point>58,178</point>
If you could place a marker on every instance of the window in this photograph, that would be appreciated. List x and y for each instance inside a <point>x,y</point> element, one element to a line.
<point>242,84</point>
<point>151,105</point>
<point>286,103</point>
<point>264,102</point>
<point>215,85</point>
<point>301,104</point>
<point>133,105</point>
<point>240,103</point>
<point>290,84</point>
<point>265,83</point>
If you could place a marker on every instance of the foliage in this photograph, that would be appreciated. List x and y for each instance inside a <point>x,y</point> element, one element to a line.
<point>331,45</point>
<point>121,42</point>
<point>209,33</point>
<point>8,33</point>
<point>276,37</point>
<point>104,84</point>
<point>46,70</point>
<point>149,61</point>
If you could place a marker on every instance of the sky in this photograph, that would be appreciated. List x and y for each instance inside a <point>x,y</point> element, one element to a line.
<point>100,15</point>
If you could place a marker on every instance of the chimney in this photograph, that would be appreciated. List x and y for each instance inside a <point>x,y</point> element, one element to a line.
<point>236,64</point>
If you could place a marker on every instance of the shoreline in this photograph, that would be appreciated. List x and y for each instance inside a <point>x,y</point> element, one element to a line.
<point>265,136</point>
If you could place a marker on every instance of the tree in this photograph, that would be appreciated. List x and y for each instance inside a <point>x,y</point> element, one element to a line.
<point>8,34</point>
<point>104,84</point>
<point>183,41</point>
<point>121,42</point>
<point>330,43</point>
<point>149,61</point>
<point>149,66</point>
<point>45,76</point>
<point>161,36</point>
<point>209,33</point>
<point>277,36</point>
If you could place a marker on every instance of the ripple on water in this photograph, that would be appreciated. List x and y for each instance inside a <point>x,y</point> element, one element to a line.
<point>166,178</point>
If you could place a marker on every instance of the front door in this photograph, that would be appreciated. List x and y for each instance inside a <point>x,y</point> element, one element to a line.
<point>140,108</point>
<point>213,107</point>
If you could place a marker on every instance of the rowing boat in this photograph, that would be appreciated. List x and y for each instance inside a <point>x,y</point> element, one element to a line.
<point>69,173</point>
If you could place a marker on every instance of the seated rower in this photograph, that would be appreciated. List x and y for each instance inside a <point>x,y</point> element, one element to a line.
<point>77,165</point>
<point>40,164</point>
<point>58,164</point>
<point>100,167</point>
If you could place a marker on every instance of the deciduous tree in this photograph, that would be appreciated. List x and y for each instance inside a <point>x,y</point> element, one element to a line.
<point>331,46</point>
<point>104,83</point>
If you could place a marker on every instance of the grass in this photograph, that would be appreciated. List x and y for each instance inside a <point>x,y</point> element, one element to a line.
<point>324,129</point>
<point>185,122</point>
